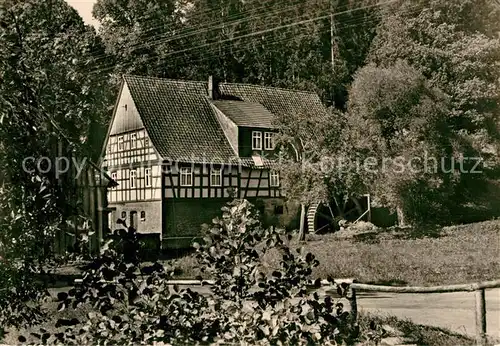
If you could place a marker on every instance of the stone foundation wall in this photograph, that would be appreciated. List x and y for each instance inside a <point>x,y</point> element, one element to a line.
<point>152,222</point>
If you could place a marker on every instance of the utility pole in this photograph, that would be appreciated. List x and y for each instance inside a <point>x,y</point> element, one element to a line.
<point>333,45</point>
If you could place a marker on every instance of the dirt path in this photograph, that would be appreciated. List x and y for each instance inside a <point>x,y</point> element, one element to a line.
<point>453,311</point>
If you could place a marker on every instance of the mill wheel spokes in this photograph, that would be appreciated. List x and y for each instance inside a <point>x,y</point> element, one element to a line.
<point>324,217</point>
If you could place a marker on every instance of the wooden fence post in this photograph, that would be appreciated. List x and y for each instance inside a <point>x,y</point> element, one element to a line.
<point>91,187</point>
<point>351,295</point>
<point>480,317</point>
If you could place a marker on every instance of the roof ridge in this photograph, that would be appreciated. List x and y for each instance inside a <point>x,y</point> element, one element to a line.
<point>272,87</point>
<point>162,79</point>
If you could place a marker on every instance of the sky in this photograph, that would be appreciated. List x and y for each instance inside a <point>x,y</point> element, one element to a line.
<point>84,7</point>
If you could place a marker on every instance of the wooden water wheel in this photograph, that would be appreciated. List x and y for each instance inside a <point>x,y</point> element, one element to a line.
<point>324,217</point>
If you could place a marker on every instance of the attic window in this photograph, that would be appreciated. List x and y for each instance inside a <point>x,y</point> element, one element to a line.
<point>268,141</point>
<point>133,141</point>
<point>256,140</point>
<point>147,176</point>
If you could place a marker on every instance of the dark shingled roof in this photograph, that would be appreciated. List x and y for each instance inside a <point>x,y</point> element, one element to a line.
<point>183,126</point>
<point>179,119</point>
<point>249,114</point>
<point>278,101</point>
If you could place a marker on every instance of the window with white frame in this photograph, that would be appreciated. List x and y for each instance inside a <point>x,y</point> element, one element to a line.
<point>274,179</point>
<point>146,142</point>
<point>133,141</point>
<point>216,177</point>
<point>268,141</point>
<point>256,140</point>
<point>147,177</point>
<point>113,176</point>
<point>120,143</point>
<point>186,176</point>
<point>133,177</point>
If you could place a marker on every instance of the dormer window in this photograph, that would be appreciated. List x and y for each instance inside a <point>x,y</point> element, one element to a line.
<point>268,141</point>
<point>256,140</point>
<point>120,143</point>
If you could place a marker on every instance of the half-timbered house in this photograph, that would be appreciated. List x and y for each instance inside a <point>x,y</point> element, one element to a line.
<point>179,150</point>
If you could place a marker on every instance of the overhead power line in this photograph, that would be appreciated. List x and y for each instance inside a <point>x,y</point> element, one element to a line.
<point>263,31</point>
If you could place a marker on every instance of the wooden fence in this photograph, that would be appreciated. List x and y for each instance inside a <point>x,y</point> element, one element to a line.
<point>89,202</point>
<point>478,288</point>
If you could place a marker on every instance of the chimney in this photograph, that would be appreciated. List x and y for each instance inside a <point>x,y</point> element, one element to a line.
<point>213,88</point>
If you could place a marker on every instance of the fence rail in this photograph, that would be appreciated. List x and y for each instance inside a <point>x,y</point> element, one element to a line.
<point>432,289</point>
<point>478,288</point>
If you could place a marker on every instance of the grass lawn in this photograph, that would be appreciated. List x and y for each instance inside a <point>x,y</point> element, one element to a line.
<point>458,254</point>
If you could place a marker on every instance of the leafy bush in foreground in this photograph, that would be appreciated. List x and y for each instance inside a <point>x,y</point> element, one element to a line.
<point>253,307</point>
<point>20,297</point>
<point>134,304</point>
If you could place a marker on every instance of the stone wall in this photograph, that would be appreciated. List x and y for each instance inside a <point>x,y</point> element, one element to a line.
<point>152,223</point>
<point>184,218</point>
<point>275,212</point>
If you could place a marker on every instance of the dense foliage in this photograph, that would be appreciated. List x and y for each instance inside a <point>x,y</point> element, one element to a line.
<point>253,307</point>
<point>133,303</point>
<point>397,127</point>
<point>421,129</point>
<point>431,90</point>
<point>275,42</point>
<point>50,105</point>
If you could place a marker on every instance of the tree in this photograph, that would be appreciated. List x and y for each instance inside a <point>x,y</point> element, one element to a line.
<point>284,44</point>
<point>397,125</point>
<point>139,34</point>
<point>309,141</point>
<point>278,43</point>
<point>455,44</point>
<point>47,97</point>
